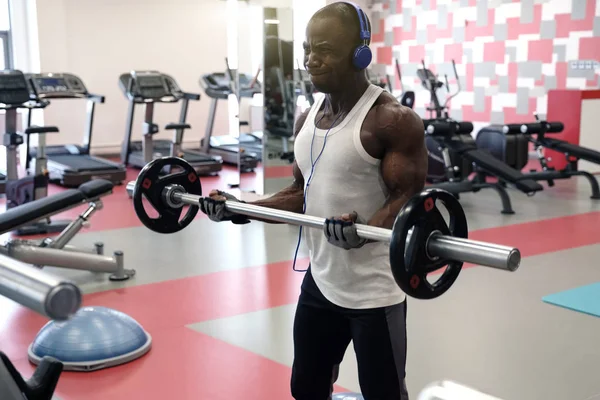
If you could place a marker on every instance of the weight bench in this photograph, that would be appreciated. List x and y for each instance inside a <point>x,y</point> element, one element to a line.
<point>582,153</point>
<point>488,138</point>
<point>57,252</point>
<point>482,159</point>
<point>456,145</point>
<point>496,168</point>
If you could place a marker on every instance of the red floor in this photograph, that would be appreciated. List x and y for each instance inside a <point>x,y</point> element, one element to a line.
<point>184,364</point>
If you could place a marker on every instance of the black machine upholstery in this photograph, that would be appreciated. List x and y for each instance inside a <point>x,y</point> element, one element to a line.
<point>456,136</point>
<point>513,149</point>
<point>35,210</point>
<point>489,163</point>
<point>41,129</point>
<point>172,126</point>
<point>95,188</point>
<point>509,142</point>
<point>494,166</point>
<point>40,386</point>
<point>447,128</point>
<point>408,99</point>
<point>572,149</point>
<point>500,142</point>
<point>533,128</point>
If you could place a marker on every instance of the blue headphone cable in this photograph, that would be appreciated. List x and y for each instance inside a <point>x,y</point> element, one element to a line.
<point>312,170</point>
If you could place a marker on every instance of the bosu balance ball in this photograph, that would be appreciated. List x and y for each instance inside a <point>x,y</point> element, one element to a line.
<point>94,338</point>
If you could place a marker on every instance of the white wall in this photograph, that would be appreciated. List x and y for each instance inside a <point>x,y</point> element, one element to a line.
<point>99,40</point>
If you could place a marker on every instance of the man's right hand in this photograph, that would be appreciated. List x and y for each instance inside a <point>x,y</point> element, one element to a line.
<point>214,207</point>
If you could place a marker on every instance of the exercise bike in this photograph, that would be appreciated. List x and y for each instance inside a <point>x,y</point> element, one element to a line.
<point>509,143</point>
<point>17,93</point>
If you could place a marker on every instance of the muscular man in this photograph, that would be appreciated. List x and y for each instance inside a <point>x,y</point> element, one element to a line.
<point>360,156</point>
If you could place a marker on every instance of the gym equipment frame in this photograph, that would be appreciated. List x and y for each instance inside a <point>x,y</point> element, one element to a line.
<point>57,252</point>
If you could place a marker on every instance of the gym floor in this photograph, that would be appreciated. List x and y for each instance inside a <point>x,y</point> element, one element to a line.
<point>219,300</point>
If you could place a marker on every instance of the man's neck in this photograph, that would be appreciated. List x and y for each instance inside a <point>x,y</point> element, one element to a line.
<point>344,100</point>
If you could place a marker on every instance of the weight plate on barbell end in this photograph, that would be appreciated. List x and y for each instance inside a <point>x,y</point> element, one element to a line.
<point>150,184</point>
<point>409,260</point>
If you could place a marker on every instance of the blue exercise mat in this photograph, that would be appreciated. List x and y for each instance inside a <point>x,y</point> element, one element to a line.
<point>585,299</point>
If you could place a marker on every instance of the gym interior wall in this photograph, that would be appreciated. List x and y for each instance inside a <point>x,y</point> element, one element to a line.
<point>183,38</point>
<point>509,55</point>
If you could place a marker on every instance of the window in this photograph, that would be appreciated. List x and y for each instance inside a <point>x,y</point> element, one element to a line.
<point>5,47</point>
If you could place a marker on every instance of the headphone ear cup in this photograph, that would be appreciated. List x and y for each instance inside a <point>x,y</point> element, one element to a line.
<point>362,57</point>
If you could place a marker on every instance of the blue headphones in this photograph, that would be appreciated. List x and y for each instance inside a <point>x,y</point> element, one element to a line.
<point>362,54</point>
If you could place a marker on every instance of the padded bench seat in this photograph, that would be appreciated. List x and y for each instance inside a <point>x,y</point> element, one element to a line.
<point>496,167</point>
<point>577,151</point>
<point>38,209</point>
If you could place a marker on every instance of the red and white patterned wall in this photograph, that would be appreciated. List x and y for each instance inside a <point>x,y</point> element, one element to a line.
<point>509,53</point>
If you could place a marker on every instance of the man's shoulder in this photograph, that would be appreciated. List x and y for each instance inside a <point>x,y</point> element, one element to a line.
<point>392,118</point>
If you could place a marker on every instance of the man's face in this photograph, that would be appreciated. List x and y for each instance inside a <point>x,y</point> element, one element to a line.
<point>328,54</point>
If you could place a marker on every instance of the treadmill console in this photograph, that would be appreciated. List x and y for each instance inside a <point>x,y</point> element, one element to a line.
<point>149,85</point>
<point>217,81</point>
<point>57,85</point>
<point>218,85</point>
<point>14,89</point>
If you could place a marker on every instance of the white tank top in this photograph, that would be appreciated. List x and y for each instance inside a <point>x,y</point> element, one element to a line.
<point>345,179</point>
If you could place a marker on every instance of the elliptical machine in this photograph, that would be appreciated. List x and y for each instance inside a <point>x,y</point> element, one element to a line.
<point>432,84</point>
<point>17,93</point>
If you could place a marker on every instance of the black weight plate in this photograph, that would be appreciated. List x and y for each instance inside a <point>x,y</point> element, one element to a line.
<point>150,184</point>
<point>410,262</point>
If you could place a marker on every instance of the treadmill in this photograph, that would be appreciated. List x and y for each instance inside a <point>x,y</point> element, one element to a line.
<point>218,86</point>
<point>71,165</point>
<point>148,88</point>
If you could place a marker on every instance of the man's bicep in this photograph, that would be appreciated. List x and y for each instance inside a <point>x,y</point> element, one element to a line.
<point>298,177</point>
<point>404,167</point>
<point>404,174</point>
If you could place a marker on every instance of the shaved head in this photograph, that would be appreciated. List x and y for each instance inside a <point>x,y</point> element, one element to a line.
<point>332,36</point>
<point>347,15</point>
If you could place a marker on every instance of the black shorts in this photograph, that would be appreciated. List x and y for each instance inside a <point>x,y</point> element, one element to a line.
<point>322,333</point>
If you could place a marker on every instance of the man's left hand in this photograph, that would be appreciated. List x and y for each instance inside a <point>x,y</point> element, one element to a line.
<point>341,231</point>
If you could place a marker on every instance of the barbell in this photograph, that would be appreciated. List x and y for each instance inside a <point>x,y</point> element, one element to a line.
<point>421,242</point>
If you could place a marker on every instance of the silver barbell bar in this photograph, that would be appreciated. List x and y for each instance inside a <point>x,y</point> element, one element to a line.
<point>37,290</point>
<point>437,245</point>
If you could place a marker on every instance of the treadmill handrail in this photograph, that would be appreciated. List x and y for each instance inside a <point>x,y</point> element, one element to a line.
<point>31,104</point>
<point>191,96</point>
<point>164,99</point>
<point>96,98</point>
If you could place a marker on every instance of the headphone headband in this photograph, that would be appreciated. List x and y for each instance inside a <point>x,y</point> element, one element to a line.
<point>365,34</point>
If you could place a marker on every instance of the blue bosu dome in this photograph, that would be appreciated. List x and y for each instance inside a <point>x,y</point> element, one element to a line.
<point>94,338</point>
<point>347,396</point>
